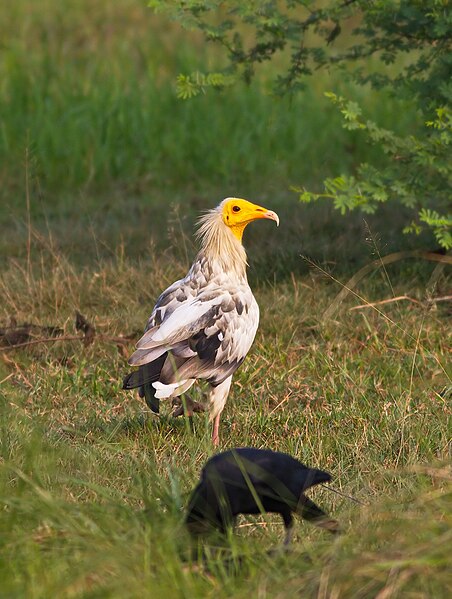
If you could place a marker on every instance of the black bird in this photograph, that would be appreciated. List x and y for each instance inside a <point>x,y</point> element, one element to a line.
<point>253,481</point>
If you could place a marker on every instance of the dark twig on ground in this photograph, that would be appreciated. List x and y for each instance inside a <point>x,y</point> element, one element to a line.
<point>20,336</point>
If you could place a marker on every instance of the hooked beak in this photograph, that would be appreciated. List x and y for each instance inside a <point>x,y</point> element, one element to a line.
<point>271,216</point>
<point>260,212</point>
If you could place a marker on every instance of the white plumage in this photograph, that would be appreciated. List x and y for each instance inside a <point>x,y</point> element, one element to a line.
<point>202,326</point>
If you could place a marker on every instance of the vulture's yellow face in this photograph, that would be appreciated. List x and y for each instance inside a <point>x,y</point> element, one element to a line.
<point>238,213</point>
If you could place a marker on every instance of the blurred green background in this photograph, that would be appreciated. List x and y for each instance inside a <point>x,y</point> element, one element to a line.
<point>93,136</point>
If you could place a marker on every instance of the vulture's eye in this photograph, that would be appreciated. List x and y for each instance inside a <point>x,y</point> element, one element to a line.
<point>235,208</point>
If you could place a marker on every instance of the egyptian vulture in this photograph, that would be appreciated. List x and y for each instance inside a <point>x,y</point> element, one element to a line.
<point>202,326</point>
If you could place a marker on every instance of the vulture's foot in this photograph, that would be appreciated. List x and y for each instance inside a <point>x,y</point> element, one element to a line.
<point>186,407</point>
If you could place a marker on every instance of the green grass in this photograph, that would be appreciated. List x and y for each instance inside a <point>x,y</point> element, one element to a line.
<point>95,142</point>
<point>90,121</point>
<point>93,487</point>
<point>115,169</point>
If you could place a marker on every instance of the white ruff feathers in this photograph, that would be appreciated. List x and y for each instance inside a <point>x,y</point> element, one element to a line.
<point>219,244</point>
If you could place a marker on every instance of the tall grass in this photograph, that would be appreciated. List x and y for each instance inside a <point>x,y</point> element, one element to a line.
<point>91,132</point>
<point>92,488</point>
<point>87,90</point>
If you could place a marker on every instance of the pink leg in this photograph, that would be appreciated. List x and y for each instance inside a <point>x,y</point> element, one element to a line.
<point>215,432</point>
<point>217,399</point>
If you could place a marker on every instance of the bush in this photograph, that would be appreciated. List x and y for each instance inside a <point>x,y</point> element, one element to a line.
<point>409,41</point>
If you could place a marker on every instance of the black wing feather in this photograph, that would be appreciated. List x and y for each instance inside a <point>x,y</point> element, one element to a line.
<point>147,373</point>
<point>205,346</point>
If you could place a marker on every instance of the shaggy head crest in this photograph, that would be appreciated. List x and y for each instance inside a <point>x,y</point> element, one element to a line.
<point>221,230</point>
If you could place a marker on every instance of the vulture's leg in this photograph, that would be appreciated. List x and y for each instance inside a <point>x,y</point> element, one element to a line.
<point>217,397</point>
<point>186,406</point>
<point>215,431</point>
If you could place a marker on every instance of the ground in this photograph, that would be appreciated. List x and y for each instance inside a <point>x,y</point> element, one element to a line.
<point>103,173</point>
<point>94,485</point>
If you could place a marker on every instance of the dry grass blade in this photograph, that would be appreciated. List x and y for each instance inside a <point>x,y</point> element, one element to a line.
<point>389,259</point>
<point>387,301</point>
<point>433,300</point>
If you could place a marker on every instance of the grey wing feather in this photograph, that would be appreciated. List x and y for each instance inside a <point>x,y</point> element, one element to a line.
<point>167,302</point>
<point>221,345</point>
<point>207,332</point>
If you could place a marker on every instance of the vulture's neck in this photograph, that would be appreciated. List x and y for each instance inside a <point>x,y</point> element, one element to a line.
<point>220,246</point>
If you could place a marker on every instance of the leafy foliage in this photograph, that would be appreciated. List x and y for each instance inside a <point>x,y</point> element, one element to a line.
<point>417,172</point>
<point>189,86</point>
<point>409,42</point>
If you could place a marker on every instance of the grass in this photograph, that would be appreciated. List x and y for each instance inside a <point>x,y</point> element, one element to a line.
<point>91,127</point>
<point>114,169</point>
<point>93,487</point>
<point>87,120</point>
